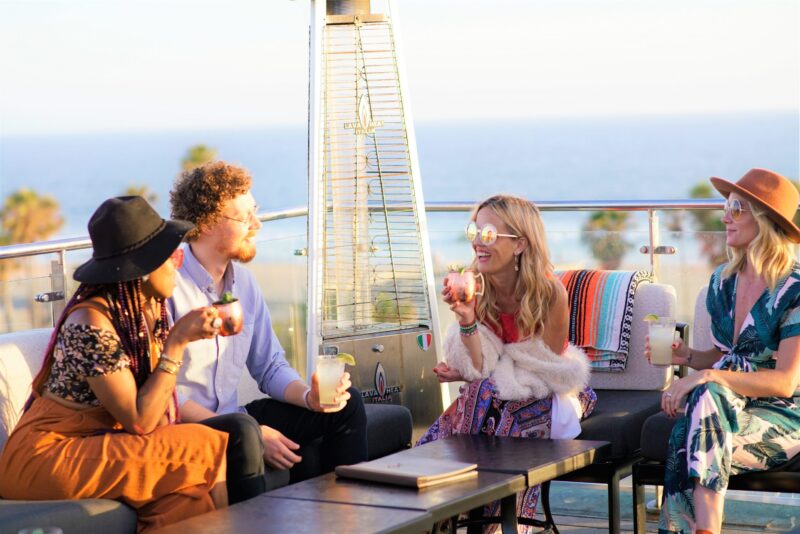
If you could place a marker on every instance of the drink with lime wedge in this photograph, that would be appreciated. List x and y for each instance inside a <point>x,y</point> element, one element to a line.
<point>329,372</point>
<point>662,334</point>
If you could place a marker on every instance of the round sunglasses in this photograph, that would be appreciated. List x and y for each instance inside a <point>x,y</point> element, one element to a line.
<point>734,208</point>
<point>487,235</point>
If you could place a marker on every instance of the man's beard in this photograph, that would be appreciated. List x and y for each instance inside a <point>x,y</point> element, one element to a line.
<point>245,253</point>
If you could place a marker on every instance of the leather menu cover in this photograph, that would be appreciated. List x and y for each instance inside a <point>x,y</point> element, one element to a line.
<point>404,470</point>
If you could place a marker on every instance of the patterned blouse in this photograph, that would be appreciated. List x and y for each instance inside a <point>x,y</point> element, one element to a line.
<point>83,351</point>
<point>775,316</point>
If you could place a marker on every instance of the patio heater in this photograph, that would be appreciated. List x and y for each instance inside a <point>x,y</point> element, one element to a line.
<point>370,279</point>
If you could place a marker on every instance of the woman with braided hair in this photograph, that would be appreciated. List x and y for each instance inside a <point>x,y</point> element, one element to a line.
<point>99,423</point>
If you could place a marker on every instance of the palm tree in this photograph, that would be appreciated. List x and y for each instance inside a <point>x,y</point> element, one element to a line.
<point>25,217</point>
<point>710,226</point>
<point>143,191</point>
<point>603,232</point>
<point>198,155</point>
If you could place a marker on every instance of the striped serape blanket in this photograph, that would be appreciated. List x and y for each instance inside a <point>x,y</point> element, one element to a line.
<point>601,313</point>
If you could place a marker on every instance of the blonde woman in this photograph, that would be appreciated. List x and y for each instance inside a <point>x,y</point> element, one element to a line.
<point>742,408</point>
<point>510,344</point>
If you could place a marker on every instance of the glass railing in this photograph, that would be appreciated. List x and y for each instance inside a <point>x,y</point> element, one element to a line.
<point>34,276</point>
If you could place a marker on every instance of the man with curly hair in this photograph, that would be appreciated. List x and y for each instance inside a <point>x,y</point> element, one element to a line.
<point>216,198</point>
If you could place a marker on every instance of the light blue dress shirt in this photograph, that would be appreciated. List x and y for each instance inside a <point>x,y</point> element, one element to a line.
<point>213,367</point>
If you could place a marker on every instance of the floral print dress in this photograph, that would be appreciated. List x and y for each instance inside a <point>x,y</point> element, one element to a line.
<point>724,433</point>
<point>479,410</point>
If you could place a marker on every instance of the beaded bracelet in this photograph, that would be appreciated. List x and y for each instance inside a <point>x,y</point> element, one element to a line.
<point>469,330</point>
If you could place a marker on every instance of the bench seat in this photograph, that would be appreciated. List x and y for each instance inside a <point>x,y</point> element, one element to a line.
<point>618,419</point>
<point>389,430</point>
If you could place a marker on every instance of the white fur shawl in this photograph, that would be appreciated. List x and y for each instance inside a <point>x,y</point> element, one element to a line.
<point>524,370</point>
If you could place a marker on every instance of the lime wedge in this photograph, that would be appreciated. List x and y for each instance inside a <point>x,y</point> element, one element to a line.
<point>346,358</point>
<point>650,317</point>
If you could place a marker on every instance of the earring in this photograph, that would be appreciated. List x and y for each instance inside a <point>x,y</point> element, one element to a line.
<point>145,278</point>
<point>516,262</point>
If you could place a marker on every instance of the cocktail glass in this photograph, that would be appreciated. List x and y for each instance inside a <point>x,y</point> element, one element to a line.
<point>329,372</point>
<point>662,335</point>
<point>232,317</point>
<point>464,285</point>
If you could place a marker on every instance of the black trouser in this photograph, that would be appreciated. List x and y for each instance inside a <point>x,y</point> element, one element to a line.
<point>245,455</point>
<point>343,433</point>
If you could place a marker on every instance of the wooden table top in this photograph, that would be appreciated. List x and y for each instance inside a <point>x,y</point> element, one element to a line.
<point>539,460</point>
<point>270,514</point>
<point>442,501</point>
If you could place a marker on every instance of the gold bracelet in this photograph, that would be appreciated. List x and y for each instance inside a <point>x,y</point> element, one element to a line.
<point>168,366</point>
<point>170,360</point>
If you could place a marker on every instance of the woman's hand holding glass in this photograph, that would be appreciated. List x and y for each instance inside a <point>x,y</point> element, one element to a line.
<point>680,352</point>
<point>201,323</point>
<point>465,311</point>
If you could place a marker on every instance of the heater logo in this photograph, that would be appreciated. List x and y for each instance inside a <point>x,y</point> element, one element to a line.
<point>383,391</point>
<point>424,341</point>
<point>380,380</point>
<point>365,123</point>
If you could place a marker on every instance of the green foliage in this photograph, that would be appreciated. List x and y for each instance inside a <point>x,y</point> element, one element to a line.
<point>143,191</point>
<point>27,217</point>
<point>388,310</point>
<point>198,155</point>
<point>709,223</point>
<point>603,232</point>
<point>796,219</point>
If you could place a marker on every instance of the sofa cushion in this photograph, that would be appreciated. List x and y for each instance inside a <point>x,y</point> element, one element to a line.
<point>618,418</point>
<point>389,429</point>
<point>639,374</point>
<point>655,434</point>
<point>72,516</point>
<point>21,355</point>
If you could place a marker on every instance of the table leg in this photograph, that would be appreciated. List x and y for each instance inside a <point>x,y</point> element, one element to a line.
<point>476,515</point>
<point>508,514</point>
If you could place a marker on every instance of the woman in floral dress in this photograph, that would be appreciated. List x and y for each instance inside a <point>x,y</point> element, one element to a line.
<point>742,410</point>
<point>510,343</point>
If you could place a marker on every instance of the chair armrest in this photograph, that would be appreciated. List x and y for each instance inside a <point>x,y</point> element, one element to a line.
<point>683,330</point>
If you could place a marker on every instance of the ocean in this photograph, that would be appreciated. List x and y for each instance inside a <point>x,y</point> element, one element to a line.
<point>634,158</point>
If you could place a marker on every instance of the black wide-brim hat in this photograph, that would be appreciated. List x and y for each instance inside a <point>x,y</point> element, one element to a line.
<point>130,240</point>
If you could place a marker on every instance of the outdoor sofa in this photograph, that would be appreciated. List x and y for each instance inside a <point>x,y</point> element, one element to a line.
<point>389,429</point>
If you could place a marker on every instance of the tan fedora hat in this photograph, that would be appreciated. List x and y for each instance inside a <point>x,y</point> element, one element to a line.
<point>776,194</point>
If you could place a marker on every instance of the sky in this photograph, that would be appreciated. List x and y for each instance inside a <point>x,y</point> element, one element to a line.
<point>111,66</point>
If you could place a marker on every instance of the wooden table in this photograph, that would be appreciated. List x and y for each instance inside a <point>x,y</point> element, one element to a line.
<point>539,460</point>
<point>441,502</point>
<point>271,514</point>
<point>506,466</point>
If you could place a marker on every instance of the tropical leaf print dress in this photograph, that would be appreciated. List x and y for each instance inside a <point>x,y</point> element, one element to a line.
<point>724,433</point>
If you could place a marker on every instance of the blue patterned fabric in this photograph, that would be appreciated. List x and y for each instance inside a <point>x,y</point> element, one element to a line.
<point>724,433</point>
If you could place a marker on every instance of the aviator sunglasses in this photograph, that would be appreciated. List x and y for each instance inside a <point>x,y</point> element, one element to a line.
<point>734,208</point>
<point>488,234</point>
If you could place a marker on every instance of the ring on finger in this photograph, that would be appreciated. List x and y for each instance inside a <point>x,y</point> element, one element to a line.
<point>668,394</point>
<point>216,323</point>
